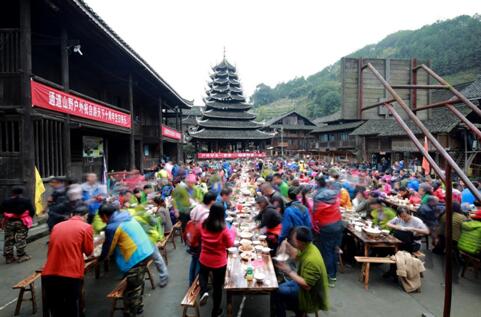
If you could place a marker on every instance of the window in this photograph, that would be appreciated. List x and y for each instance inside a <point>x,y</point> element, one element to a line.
<point>344,136</point>
<point>324,137</point>
<point>48,135</point>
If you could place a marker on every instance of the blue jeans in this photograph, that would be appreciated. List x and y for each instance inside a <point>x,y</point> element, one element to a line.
<point>194,268</point>
<point>327,240</point>
<point>161,267</point>
<point>286,297</point>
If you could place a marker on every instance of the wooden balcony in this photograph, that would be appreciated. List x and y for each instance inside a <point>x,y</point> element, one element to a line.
<point>9,51</point>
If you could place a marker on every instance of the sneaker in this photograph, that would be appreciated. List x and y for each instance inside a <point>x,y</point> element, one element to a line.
<point>23,258</point>
<point>332,282</point>
<point>10,260</point>
<point>204,298</point>
<point>163,284</point>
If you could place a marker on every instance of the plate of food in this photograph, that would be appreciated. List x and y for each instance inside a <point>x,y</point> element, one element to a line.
<point>246,248</point>
<point>246,235</point>
<point>373,232</point>
<point>246,256</point>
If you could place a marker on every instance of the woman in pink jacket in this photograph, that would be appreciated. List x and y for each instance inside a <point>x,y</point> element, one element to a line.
<point>216,238</point>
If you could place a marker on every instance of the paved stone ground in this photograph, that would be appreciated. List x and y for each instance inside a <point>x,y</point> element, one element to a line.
<point>384,297</point>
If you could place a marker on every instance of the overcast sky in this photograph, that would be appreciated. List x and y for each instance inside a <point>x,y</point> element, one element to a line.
<point>270,41</point>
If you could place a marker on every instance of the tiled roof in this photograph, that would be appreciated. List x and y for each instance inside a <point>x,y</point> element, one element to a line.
<point>282,116</point>
<point>231,134</point>
<point>230,124</point>
<point>329,118</point>
<point>338,127</point>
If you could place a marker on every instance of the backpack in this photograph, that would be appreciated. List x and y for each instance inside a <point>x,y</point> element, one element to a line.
<point>192,234</point>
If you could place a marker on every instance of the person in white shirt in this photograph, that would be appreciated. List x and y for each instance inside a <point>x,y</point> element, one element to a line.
<point>409,229</point>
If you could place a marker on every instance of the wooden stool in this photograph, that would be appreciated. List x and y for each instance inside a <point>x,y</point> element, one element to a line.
<point>366,261</point>
<point>191,300</point>
<point>27,285</point>
<point>118,295</point>
<point>470,261</point>
<point>177,230</point>
<point>149,276</point>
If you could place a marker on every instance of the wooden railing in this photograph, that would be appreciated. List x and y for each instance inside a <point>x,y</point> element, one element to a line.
<point>9,51</point>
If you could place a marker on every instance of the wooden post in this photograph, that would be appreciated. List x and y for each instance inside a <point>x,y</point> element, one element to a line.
<point>181,144</point>
<point>448,275</point>
<point>64,62</point>
<point>28,155</point>
<point>161,137</point>
<point>132,129</point>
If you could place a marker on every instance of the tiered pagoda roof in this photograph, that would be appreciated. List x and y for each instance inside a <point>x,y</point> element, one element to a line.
<point>225,116</point>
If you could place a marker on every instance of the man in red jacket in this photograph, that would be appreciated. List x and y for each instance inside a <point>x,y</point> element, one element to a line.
<point>63,272</point>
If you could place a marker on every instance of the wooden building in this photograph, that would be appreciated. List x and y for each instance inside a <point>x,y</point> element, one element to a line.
<point>226,125</point>
<point>292,134</point>
<point>74,96</point>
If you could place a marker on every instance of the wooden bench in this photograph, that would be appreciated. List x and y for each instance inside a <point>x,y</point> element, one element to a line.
<point>27,285</point>
<point>117,295</point>
<point>470,261</point>
<point>366,263</point>
<point>190,300</point>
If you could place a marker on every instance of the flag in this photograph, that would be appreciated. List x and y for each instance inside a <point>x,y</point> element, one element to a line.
<point>425,163</point>
<point>39,190</point>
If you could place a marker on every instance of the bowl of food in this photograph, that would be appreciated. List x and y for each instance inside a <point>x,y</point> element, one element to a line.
<point>256,242</point>
<point>259,277</point>
<point>232,250</point>
<point>282,257</point>
<point>266,250</point>
<point>229,219</point>
<point>246,248</point>
<point>245,242</point>
<point>372,232</point>
<point>259,248</point>
<point>246,235</point>
<point>246,256</point>
<point>262,237</point>
<point>236,243</point>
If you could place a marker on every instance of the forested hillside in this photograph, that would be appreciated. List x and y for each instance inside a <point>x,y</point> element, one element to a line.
<point>453,46</point>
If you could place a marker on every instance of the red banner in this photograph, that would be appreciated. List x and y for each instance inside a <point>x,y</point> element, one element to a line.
<point>53,99</point>
<point>234,155</point>
<point>171,133</point>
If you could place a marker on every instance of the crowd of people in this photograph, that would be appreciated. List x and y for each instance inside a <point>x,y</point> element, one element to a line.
<point>299,206</point>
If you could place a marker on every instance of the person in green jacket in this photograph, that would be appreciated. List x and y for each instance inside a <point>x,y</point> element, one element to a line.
<point>307,290</point>
<point>381,214</point>
<point>281,185</point>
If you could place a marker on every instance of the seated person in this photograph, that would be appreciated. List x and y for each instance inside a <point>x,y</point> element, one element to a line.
<point>411,195</point>
<point>458,219</point>
<point>307,290</point>
<point>360,203</point>
<point>380,214</point>
<point>430,212</point>
<point>409,229</point>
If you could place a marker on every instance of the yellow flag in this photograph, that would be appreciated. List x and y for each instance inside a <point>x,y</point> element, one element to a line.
<point>39,190</point>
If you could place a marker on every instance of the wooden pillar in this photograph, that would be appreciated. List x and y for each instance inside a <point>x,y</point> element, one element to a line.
<point>28,155</point>
<point>132,129</point>
<point>181,144</point>
<point>161,137</point>
<point>64,56</point>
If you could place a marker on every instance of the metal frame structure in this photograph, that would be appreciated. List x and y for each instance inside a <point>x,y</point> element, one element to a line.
<point>450,164</point>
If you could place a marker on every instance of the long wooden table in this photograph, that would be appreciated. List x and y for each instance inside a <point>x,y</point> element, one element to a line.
<point>237,284</point>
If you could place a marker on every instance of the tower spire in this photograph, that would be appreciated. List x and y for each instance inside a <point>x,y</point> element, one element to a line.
<point>224,53</point>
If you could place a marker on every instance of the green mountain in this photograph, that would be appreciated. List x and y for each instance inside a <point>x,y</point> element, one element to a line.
<point>453,46</point>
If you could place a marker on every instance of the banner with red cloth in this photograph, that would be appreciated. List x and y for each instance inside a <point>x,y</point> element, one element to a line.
<point>49,98</point>
<point>234,155</point>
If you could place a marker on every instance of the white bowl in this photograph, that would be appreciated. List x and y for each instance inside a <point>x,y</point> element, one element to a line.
<point>262,237</point>
<point>245,242</point>
<point>246,235</point>
<point>232,250</point>
<point>372,232</point>
<point>283,257</point>
<point>266,250</point>
<point>259,277</point>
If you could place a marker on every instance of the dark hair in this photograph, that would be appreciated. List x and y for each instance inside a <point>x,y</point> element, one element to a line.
<point>262,200</point>
<point>303,234</point>
<point>457,207</point>
<point>293,192</point>
<point>17,191</point>
<point>215,222</point>
<point>321,181</point>
<point>209,197</point>
<point>107,210</point>
<point>148,186</point>
<point>158,200</point>
<point>401,210</point>
<point>375,201</point>
<point>403,189</point>
<point>277,175</point>
<point>226,191</point>
<point>136,190</point>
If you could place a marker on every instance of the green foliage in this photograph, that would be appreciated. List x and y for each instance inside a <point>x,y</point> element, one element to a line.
<point>453,46</point>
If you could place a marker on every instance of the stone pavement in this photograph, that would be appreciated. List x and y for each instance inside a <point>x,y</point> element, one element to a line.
<point>384,297</point>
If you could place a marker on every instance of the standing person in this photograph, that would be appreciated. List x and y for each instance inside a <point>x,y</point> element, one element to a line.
<point>125,238</point>
<point>17,213</point>
<point>93,193</point>
<point>198,215</point>
<point>63,272</point>
<point>215,239</point>
<point>295,215</point>
<point>327,226</point>
<point>280,184</point>
<point>275,199</point>
<point>306,291</point>
<point>58,209</point>
<point>162,212</point>
<point>224,198</point>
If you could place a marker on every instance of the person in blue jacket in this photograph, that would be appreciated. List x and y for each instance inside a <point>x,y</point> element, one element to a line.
<point>131,247</point>
<point>296,214</point>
